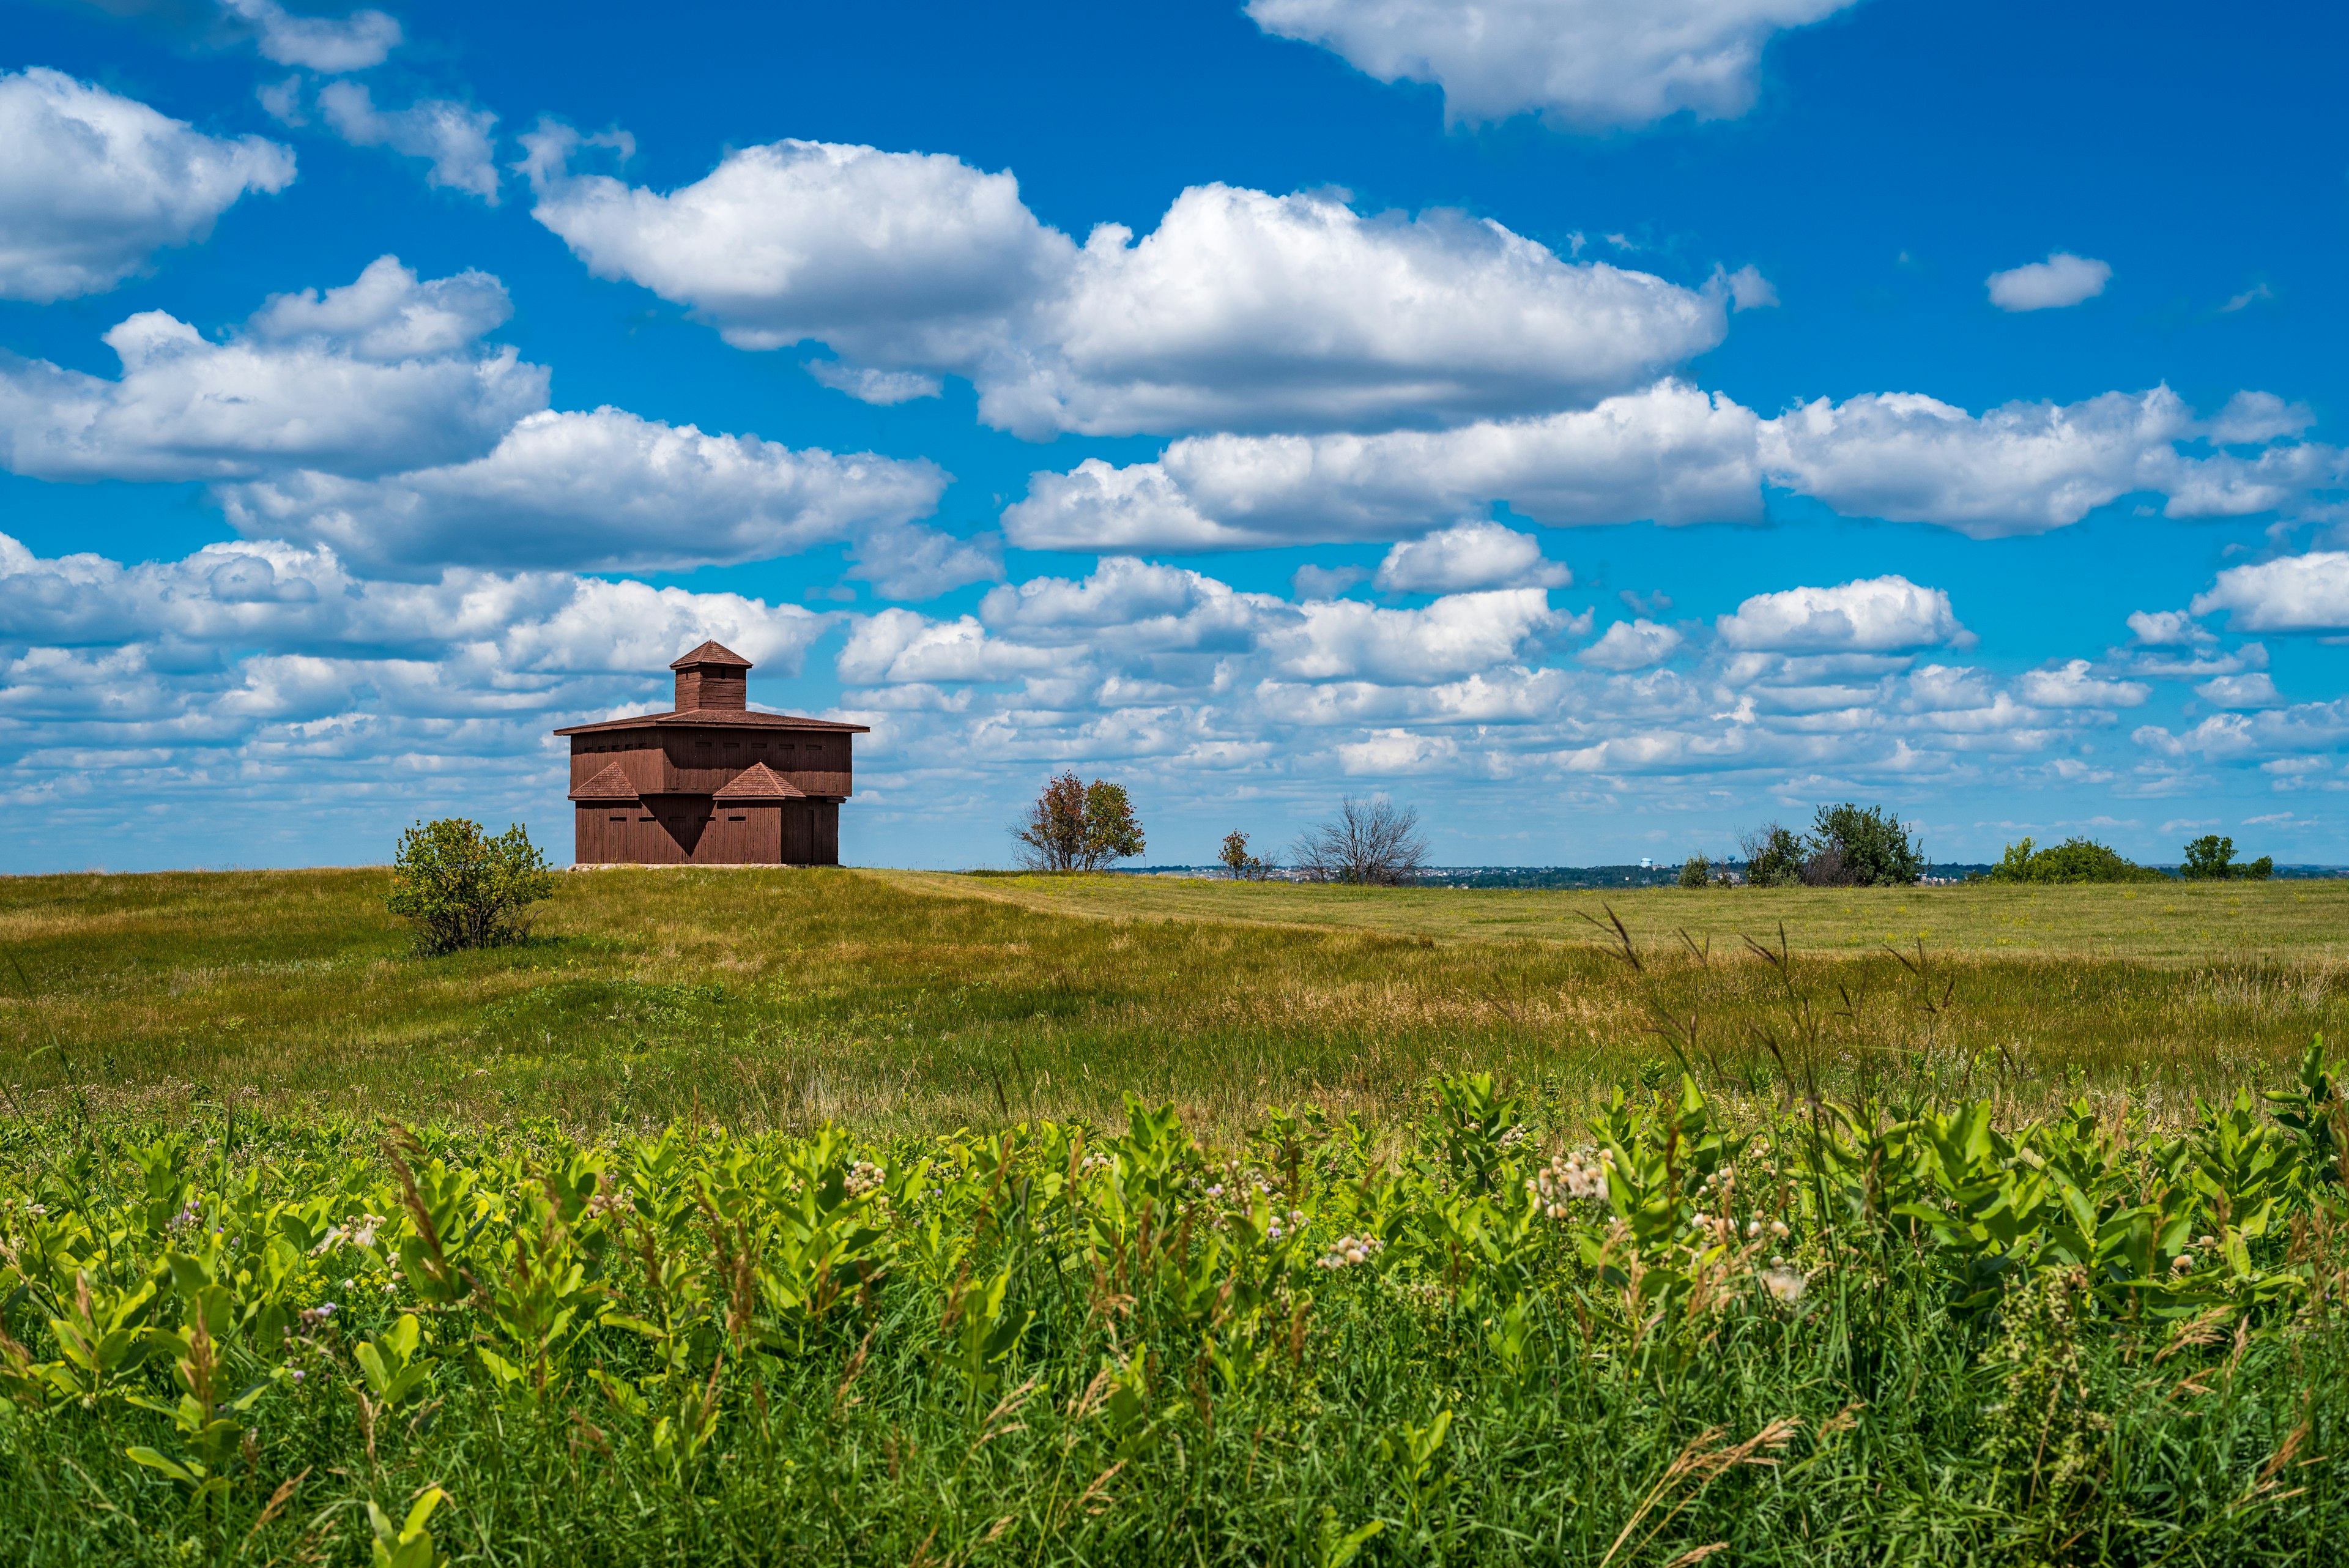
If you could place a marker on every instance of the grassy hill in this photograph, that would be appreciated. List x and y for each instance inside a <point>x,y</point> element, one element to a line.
<point>917,1001</point>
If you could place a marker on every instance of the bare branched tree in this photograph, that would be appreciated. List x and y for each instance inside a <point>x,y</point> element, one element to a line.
<point>1374,842</point>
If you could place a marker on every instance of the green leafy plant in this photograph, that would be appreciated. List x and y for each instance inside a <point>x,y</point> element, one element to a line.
<point>407,1545</point>
<point>464,890</point>
<point>390,1363</point>
<point>1930,1313</point>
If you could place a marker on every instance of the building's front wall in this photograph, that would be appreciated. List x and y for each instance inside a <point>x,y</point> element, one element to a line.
<point>694,830</point>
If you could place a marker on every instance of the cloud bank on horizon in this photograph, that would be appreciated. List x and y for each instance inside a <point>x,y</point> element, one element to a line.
<point>1239,483</point>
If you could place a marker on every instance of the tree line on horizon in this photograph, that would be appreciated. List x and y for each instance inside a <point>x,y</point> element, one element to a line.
<point>1075,827</point>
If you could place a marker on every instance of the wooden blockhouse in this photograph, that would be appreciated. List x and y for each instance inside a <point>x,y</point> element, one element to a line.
<point>710,783</point>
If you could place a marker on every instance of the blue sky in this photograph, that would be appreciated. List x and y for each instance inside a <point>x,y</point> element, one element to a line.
<point>1604,429</point>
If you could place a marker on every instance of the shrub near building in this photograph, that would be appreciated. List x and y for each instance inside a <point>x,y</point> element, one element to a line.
<point>464,889</point>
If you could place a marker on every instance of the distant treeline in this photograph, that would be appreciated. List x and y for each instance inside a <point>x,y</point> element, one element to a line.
<point>1570,876</point>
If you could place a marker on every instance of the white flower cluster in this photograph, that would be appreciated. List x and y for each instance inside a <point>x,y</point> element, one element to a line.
<point>1351,1250</point>
<point>1785,1284</point>
<point>864,1176</point>
<point>1569,1176</point>
<point>357,1231</point>
<point>1280,1228</point>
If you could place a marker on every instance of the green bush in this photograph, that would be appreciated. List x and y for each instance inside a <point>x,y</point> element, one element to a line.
<point>2073,861</point>
<point>1696,871</point>
<point>1849,845</point>
<point>1774,856</point>
<point>2211,858</point>
<point>1861,847</point>
<point>464,890</point>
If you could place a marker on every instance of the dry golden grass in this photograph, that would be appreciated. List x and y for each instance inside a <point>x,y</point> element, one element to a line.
<point>2179,923</point>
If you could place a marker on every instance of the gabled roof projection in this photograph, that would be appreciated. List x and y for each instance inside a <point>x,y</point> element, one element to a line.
<point>611,783</point>
<point>758,782</point>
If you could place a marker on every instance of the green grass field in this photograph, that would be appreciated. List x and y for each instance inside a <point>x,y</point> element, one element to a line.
<point>912,1002</point>
<point>895,1218</point>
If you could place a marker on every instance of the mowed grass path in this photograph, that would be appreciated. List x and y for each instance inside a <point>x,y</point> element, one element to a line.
<point>2182,923</point>
<point>901,999</point>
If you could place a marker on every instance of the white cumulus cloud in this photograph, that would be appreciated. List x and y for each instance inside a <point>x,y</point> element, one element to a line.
<point>1632,644</point>
<point>884,388</point>
<point>2256,689</point>
<point>2167,628</point>
<point>895,259</point>
<point>601,491</point>
<point>387,372</point>
<point>1455,636</point>
<point>1671,453</point>
<point>1121,592</point>
<point>2070,685</point>
<point>2291,593</point>
<point>1469,555</point>
<point>328,44</point>
<point>92,184</point>
<point>1242,309</point>
<point>2020,468</point>
<point>899,645</point>
<point>1876,615</point>
<point>2062,279</point>
<point>454,140</point>
<point>1584,64</point>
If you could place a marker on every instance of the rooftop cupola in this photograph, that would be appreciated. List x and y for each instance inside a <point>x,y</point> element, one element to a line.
<point>712,676</point>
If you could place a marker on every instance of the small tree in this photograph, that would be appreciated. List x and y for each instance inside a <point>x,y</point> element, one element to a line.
<point>2211,858</point>
<point>1243,866</point>
<point>1774,855</point>
<point>1374,842</point>
<point>464,890</point>
<point>1855,847</point>
<point>1696,871</point>
<point>1078,827</point>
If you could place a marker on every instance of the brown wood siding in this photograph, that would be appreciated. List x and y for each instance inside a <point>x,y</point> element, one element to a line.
<point>703,761</point>
<point>687,830</point>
